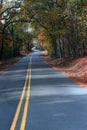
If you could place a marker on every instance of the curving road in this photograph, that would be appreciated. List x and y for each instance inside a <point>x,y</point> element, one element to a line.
<point>33,96</point>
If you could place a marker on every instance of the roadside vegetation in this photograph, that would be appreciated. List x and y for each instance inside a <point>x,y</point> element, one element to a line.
<point>75,69</point>
<point>14,34</point>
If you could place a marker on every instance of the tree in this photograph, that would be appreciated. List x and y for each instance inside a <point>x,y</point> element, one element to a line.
<point>11,15</point>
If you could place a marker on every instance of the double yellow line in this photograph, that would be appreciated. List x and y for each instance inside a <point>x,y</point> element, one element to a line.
<point>27,83</point>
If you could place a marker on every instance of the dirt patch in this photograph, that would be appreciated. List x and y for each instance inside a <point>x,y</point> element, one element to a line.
<point>75,69</point>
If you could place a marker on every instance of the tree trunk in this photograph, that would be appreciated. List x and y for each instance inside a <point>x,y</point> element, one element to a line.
<point>54,43</point>
<point>2,44</point>
<point>12,37</point>
<point>59,44</point>
<point>13,47</point>
<point>83,45</point>
<point>63,47</point>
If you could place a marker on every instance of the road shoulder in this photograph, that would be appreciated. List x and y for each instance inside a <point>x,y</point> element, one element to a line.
<point>73,69</point>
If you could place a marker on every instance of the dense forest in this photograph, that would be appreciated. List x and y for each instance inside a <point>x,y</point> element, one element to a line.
<point>60,26</point>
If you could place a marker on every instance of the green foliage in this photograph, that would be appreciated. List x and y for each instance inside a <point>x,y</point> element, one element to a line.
<point>64,22</point>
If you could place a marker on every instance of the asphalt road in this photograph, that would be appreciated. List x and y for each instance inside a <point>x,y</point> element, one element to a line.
<point>33,96</point>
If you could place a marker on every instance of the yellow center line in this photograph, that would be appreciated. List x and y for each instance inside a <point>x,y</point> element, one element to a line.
<point>13,125</point>
<point>23,122</point>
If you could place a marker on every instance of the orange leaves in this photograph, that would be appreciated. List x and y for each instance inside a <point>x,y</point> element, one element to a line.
<point>51,15</point>
<point>41,35</point>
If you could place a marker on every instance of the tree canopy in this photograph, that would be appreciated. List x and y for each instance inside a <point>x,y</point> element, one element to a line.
<point>61,22</point>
